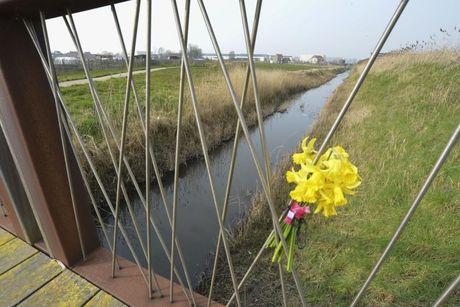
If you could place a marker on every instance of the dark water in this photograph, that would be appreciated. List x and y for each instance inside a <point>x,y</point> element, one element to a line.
<point>197,226</point>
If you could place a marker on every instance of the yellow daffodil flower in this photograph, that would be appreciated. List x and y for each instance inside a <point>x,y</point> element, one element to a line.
<point>326,183</point>
<point>307,154</point>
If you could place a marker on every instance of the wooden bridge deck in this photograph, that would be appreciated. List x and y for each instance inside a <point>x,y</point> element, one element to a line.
<point>30,278</point>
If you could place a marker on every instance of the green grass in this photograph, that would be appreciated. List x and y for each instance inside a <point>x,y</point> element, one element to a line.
<point>394,132</point>
<point>80,74</point>
<point>165,89</point>
<point>216,110</point>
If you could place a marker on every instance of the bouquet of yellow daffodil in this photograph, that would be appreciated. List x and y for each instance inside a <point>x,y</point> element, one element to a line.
<point>323,185</point>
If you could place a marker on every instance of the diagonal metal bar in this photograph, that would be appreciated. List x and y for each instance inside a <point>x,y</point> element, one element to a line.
<point>231,170</point>
<point>249,141</point>
<point>203,144</point>
<point>234,153</point>
<point>85,181</point>
<point>101,186</point>
<point>363,75</point>
<point>263,142</point>
<point>426,185</point>
<point>61,132</point>
<point>445,295</point>
<point>153,159</point>
<point>102,116</point>
<point>371,61</point>
<point>176,155</point>
<point>254,262</point>
<point>31,31</point>
<point>123,136</point>
<point>99,109</point>
<point>147,142</point>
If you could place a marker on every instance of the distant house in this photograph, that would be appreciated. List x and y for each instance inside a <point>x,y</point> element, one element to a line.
<point>104,57</point>
<point>312,58</point>
<point>140,57</point>
<point>336,61</point>
<point>66,60</point>
<point>153,56</point>
<point>237,57</point>
<point>288,59</point>
<point>118,57</point>
<point>261,57</point>
<point>210,56</point>
<point>276,59</point>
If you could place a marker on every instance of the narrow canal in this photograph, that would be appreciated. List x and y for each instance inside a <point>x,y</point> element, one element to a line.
<point>197,226</point>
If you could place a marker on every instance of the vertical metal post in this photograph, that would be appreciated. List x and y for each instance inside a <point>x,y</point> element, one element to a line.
<point>176,155</point>
<point>204,145</point>
<point>260,120</point>
<point>123,137</point>
<point>147,144</point>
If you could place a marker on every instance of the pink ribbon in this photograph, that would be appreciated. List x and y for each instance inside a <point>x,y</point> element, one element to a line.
<point>296,211</point>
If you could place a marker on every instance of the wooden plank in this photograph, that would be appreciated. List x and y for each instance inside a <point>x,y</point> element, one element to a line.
<point>13,252</point>
<point>103,299</point>
<point>27,277</point>
<point>5,236</point>
<point>67,289</point>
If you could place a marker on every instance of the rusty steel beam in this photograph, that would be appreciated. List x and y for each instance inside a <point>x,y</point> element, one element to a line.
<point>8,218</point>
<point>129,286</point>
<point>14,197</point>
<point>51,8</point>
<point>29,121</point>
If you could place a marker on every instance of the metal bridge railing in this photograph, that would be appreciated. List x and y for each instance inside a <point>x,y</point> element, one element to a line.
<point>117,139</point>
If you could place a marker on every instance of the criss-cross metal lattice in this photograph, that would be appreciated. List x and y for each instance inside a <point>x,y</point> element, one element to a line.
<point>117,139</point>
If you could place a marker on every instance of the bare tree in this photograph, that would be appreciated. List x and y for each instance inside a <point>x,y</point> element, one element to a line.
<point>194,51</point>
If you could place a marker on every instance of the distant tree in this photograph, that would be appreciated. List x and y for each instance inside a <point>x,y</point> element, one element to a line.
<point>161,52</point>
<point>195,52</point>
<point>231,55</point>
<point>167,53</point>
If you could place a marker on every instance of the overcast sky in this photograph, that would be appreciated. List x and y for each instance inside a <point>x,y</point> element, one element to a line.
<point>344,28</point>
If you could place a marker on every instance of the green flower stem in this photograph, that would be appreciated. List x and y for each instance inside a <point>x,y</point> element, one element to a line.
<point>278,251</point>
<point>292,238</point>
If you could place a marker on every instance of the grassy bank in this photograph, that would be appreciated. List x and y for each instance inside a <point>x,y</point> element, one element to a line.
<point>217,111</point>
<point>395,130</point>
